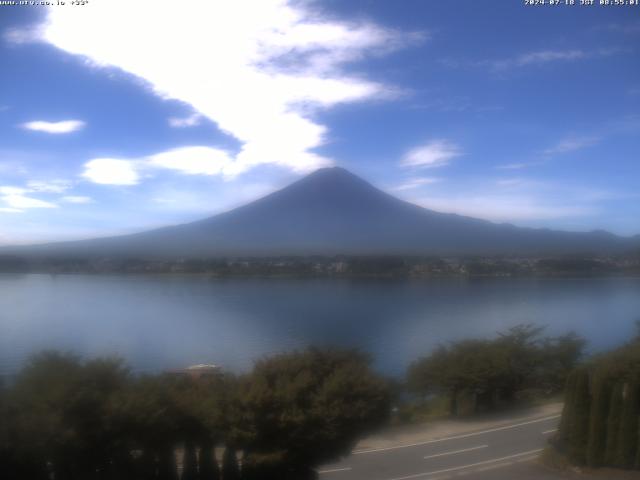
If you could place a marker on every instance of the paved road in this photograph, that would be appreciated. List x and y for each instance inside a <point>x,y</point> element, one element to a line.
<point>492,453</point>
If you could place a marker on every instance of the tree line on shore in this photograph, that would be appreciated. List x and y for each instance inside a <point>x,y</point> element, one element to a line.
<point>484,374</point>
<point>388,266</point>
<point>66,418</point>
<point>600,424</point>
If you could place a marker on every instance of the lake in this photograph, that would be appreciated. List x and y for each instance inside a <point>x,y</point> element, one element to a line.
<point>159,322</point>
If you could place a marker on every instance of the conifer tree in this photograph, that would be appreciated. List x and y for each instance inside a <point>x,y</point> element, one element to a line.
<point>613,423</point>
<point>189,462</point>
<point>167,469</point>
<point>230,469</point>
<point>601,396</point>
<point>636,464</point>
<point>579,426</point>
<point>567,410</point>
<point>628,432</point>
<point>209,469</point>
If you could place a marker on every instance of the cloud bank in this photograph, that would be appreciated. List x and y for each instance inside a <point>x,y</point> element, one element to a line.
<point>57,128</point>
<point>436,153</point>
<point>259,70</point>
<point>572,144</point>
<point>15,200</point>
<point>192,160</point>
<point>416,182</point>
<point>111,171</point>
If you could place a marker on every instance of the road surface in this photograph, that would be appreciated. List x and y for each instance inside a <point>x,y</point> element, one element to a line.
<point>504,451</point>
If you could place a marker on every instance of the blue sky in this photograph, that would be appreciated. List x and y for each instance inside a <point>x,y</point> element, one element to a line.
<point>118,116</point>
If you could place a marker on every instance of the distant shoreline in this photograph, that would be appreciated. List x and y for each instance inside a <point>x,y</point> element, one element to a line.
<point>338,267</point>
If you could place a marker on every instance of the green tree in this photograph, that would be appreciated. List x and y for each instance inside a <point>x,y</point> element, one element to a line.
<point>598,419</point>
<point>435,375</point>
<point>208,465</point>
<point>603,398</point>
<point>520,355</point>
<point>557,357</point>
<point>579,420</point>
<point>496,371</point>
<point>628,431</point>
<point>230,470</point>
<point>566,419</point>
<point>64,415</point>
<point>189,462</point>
<point>613,423</point>
<point>302,409</point>
<point>153,424</point>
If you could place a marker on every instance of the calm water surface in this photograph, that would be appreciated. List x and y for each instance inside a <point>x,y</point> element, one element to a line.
<point>158,322</point>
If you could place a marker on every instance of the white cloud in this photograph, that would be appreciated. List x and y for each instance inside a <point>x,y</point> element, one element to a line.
<point>183,122</point>
<point>412,183</point>
<point>65,126</point>
<point>572,144</point>
<point>76,199</point>
<point>8,190</point>
<point>18,198</point>
<point>436,153</point>
<point>548,56</point>
<point>567,145</point>
<point>521,200</point>
<point>512,182</point>
<point>17,201</point>
<point>627,28</point>
<point>259,70</point>
<point>517,166</point>
<point>199,201</point>
<point>111,171</point>
<point>538,57</point>
<point>505,207</point>
<point>21,35</point>
<point>193,160</point>
<point>48,186</point>
<point>545,56</point>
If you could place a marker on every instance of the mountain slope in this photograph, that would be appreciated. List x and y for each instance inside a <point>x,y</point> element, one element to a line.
<point>332,211</point>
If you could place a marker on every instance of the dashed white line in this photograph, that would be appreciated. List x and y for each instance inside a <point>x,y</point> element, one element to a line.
<point>456,451</point>
<point>495,466</point>
<point>456,437</point>
<point>332,470</point>
<point>487,468</point>
<point>549,431</point>
<point>471,465</point>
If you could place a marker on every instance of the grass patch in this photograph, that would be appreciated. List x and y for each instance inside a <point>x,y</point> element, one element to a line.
<point>423,411</point>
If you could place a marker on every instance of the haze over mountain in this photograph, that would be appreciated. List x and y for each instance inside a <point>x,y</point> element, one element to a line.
<point>332,211</point>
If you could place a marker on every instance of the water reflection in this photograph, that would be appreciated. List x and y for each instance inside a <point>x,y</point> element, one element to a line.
<point>158,322</point>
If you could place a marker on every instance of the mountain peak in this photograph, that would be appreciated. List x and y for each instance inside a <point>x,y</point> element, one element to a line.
<point>333,174</point>
<point>333,211</point>
<point>332,179</point>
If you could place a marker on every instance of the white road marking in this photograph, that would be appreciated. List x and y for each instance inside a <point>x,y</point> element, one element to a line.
<point>471,465</point>
<point>487,468</point>
<point>495,466</point>
<point>456,437</point>
<point>456,451</point>
<point>332,470</point>
<point>550,431</point>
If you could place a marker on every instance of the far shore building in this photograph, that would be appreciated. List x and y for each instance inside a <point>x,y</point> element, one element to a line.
<point>199,371</point>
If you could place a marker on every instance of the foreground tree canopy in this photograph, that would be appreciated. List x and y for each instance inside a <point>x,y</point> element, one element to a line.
<point>299,410</point>
<point>483,374</point>
<point>601,418</point>
<point>72,419</point>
